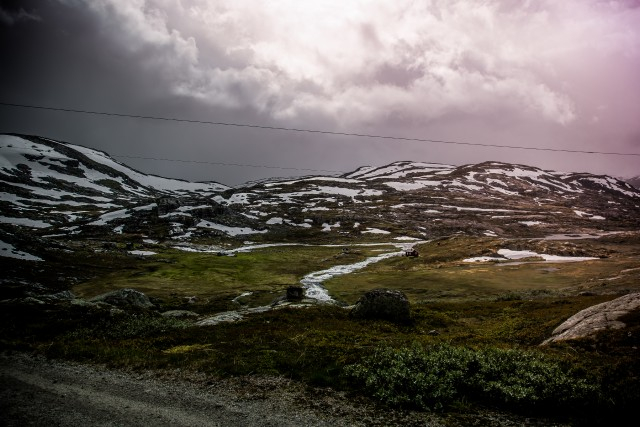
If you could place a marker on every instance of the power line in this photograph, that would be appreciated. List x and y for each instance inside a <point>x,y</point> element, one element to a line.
<point>324,132</point>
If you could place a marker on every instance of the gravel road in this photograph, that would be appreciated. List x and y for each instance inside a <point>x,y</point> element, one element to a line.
<point>39,392</point>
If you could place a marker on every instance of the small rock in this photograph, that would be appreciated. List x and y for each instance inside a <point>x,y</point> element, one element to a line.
<point>229,316</point>
<point>179,314</point>
<point>295,293</point>
<point>586,294</point>
<point>82,303</point>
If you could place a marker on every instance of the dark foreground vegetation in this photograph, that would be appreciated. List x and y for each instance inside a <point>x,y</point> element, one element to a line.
<point>587,382</point>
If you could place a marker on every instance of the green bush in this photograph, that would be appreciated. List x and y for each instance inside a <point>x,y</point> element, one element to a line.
<point>434,377</point>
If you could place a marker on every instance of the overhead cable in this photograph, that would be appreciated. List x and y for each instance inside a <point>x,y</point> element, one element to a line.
<point>316,131</point>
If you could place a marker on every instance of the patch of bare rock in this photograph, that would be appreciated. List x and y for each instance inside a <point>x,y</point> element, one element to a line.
<point>594,319</point>
<point>125,298</point>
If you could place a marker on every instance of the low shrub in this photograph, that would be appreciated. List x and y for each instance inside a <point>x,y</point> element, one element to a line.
<point>125,327</point>
<point>435,377</point>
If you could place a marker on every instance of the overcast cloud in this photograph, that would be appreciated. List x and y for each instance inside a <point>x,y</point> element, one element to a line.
<point>543,73</point>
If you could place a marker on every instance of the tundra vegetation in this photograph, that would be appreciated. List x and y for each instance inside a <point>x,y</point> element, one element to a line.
<point>473,341</point>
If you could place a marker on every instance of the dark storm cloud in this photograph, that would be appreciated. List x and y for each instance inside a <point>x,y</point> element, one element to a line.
<point>11,16</point>
<point>68,58</point>
<point>537,74</point>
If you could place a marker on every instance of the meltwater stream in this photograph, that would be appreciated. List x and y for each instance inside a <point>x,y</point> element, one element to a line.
<point>312,283</point>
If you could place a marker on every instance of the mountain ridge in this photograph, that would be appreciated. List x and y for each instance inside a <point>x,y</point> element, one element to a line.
<point>52,187</point>
<point>634,181</point>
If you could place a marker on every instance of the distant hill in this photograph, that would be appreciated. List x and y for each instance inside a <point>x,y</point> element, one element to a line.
<point>50,187</point>
<point>635,181</point>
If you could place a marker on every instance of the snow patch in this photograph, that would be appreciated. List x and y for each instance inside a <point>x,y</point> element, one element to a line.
<point>414,185</point>
<point>23,222</point>
<point>327,227</point>
<point>8,251</point>
<point>508,254</point>
<point>303,224</point>
<point>111,216</point>
<point>142,253</point>
<point>530,223</point>
<point>375,231</point>
<point>231,231</point>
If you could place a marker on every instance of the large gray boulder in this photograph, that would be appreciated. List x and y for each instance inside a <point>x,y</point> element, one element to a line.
<point>385,304</point>
<point>125,298</point>
<point>596,318</point>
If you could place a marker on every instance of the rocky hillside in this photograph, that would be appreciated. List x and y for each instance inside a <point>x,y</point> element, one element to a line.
<point>635,181</point>
<point>51,188</point>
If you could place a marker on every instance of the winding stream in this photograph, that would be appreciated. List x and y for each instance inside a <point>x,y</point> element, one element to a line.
<point>312,283</point>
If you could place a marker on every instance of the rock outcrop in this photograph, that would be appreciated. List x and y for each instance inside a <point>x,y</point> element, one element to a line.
<point>385,304</point>
<point>125,298</point>
<point>179,314</point>
<point>596,318</point>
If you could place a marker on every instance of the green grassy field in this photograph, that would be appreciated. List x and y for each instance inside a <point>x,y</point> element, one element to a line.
<point>440,274</point>
<point>215,280</point>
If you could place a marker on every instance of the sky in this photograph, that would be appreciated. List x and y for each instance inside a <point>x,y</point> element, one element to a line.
<point>542,74</point>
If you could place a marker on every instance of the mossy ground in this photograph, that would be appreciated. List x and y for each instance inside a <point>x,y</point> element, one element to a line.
<point>215,281</point>
<point>439,273</point>
<point>454,303</point>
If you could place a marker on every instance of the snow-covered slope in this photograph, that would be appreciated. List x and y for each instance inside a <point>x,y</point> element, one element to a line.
<point>60,182</point>
<point>414,170</point>
<point>635,181</point>
<point>492,177</point>
<point>165,185</point>
<point>52,160</point>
